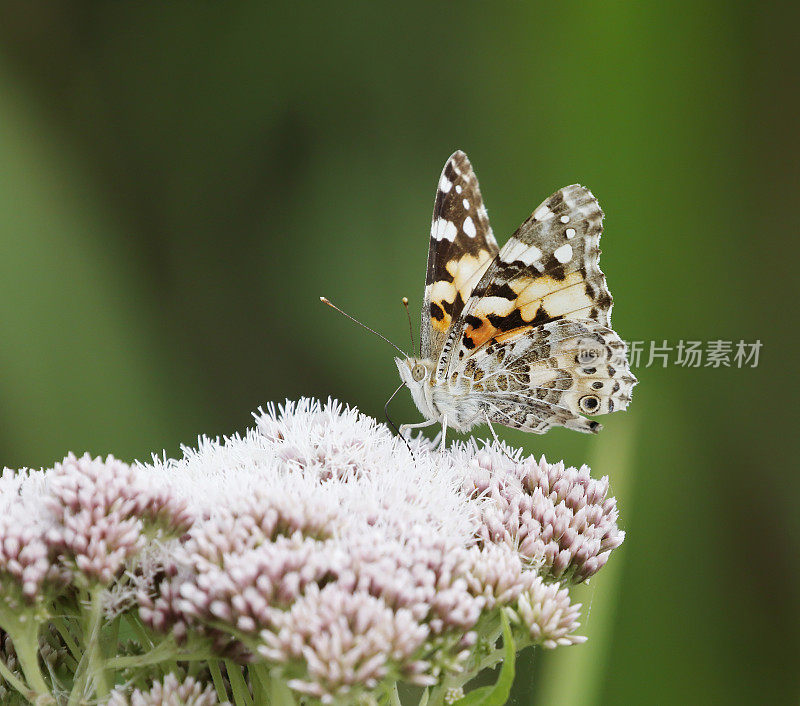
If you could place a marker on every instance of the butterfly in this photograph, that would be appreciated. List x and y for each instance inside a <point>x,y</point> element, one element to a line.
<point>519,336</point>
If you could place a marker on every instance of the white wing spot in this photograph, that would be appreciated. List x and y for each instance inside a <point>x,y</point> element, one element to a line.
<point>531,255</point>
<point>564,253</point>
<point>445,184</point>
<point>444,230</point>
<point>466,204</point>
<point>565,219</point>
<point>458,188</point>
<point>469,227</point>
<point>526,254</point>
<point>570,233</point>
<point>543,213</point>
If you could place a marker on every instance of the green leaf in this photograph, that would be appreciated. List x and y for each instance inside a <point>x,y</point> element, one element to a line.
<point>241,694</point>
<point>496,695</point>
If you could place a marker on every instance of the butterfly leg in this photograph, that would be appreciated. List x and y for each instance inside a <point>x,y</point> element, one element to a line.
<point>406,427</point>
<point>491,428</point>
<point>494,434</point>
<point>442,444</point>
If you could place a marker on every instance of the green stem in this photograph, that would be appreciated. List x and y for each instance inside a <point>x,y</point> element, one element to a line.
<point>488,662</point>
<point>94,647</point>
<point>145,640</point>
<point>156,655</point>
<point>474,666</point>
<point>241,694</point>
<point>219,682</point>
<point>109,644</point>
<point>139,629</point>
<point>63,630</point>
<point>16,682</point>
<point>111,636</point>
<point>91,664</point>
<point>259,681</point>
<point>23,628</point>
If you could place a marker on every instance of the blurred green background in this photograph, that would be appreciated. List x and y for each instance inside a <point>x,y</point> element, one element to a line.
<point>179,182</point>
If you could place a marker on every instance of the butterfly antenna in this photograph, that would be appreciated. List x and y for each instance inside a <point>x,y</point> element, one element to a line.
<point>352,318</point>
<point>410,325</point>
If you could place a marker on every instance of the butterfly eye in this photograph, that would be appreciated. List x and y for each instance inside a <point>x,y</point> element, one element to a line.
<point>589,403</point>
<point>418,372</point>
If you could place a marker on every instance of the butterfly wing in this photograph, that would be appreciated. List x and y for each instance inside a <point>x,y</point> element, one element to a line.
<point>538,377</point>
<point>535,339</point>
<point>461,248</point>
<point>548,270</point>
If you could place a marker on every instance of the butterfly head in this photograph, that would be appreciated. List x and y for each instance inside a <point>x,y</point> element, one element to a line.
<point>416,374</point>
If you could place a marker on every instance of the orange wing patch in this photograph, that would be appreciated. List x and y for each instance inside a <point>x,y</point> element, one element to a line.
<point>536,301</point>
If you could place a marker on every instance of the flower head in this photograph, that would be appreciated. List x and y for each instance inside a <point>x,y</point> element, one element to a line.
<point>28,565</point>
<point>318,545</point>
<point>333,553</point>
<point>558,518</point>
<point>102,510</point>
<point>168,692</point>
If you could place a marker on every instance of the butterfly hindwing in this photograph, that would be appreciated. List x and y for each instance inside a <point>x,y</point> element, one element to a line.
<point>538,377</point>
<point>461,247</point>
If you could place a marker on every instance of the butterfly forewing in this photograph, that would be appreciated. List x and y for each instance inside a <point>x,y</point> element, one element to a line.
<point>547,271</point>
<point>461,247</point>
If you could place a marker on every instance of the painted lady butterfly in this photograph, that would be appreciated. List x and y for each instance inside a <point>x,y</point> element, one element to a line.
<point>519,336</point>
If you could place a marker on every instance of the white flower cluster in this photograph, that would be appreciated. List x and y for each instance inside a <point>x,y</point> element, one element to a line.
<point>318,546</point>
<point>558,518</point>
<point>168,692</point>
<point>78,522</point>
